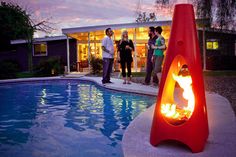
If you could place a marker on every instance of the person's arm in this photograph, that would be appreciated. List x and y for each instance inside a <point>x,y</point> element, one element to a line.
<point>118,50</point>
<point>131,45</point>
<point>104,49</point>
<point>104,43</point>
<point>118,55</point>
<point>162,47</point>
<point>152,60</point>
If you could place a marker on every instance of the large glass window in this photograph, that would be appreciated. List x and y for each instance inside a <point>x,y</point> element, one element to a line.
<point>83,52</point>
<point>141,50</point>
<point>140,40</point>
<point>40,49</point>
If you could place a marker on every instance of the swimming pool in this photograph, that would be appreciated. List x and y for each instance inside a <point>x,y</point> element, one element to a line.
<point>65,118</point>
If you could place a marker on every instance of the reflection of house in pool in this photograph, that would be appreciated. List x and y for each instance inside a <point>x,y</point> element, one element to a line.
<point>110,122</point>
<point>84,42</point>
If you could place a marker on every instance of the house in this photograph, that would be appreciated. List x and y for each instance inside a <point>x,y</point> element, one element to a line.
<point>220,49</point>
<point>42,49</point>
<point>81,43</point>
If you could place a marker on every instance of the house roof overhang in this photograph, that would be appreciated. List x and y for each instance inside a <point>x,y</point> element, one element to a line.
<point>45,39</point>
<point>67,31</point>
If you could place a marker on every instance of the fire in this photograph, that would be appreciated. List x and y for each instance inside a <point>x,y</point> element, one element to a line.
<point>172,110</point>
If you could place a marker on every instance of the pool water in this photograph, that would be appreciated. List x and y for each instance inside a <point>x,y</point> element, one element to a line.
<point>65,118</point>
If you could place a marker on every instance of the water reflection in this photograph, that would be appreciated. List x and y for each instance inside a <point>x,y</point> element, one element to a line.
<point>95,106</point>
<point>17,108</point>
<point>110,122</point>
<point>85,111</point>
<point>126,112</point>
<point>54,118</point>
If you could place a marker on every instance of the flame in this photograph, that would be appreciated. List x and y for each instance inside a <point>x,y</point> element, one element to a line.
<point>171,110</point>
<point>178,64</point>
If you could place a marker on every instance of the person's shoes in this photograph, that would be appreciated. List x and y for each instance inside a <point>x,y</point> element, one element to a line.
<point>109,82</point>
<point>128,83</point>
<point>124,82</point>
<point>155,84</point>
<point>144,83</point>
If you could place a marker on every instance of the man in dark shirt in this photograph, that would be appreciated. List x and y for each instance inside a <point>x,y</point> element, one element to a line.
<point>149,67</point>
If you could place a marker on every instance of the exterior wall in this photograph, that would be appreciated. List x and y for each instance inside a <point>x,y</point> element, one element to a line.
<point>58,49</point>
<point>8,55</point>
<point>226,43</point>
<point>22,56</point>
<point>19,56</point>
<point>54,48</point>
<point>73,54</point>
<point>224,57</point>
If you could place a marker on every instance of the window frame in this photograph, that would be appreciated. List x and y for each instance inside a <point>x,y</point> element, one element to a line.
<point>40,55</point>
<point>235,47</point>
<point>212,43</point>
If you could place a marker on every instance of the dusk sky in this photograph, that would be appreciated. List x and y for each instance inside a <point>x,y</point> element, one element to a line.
<point>76,13</point>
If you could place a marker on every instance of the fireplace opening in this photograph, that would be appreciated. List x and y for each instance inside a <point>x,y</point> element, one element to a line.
<point>178,106</point>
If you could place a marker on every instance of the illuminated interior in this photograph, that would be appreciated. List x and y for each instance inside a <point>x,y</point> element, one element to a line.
<point>93,40</point>
<point>40,49</point>
<point>212,45</point>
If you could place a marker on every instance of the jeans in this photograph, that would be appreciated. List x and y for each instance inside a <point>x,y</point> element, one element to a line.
<point>107,69</point>
<point>149,70</point>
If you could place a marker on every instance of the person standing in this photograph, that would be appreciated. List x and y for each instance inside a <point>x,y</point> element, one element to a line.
<point>149,68</point>
<point>124,55</point>
<point>158,55</point>
<point>107,55</point>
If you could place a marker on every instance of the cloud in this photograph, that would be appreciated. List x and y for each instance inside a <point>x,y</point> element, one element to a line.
<point>75,13</point>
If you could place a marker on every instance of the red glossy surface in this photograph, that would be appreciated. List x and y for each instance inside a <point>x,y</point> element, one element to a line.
<point>183,49</point>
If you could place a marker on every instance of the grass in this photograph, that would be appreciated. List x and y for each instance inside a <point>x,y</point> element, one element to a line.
<point>24,74</point>
<point>138,74</point>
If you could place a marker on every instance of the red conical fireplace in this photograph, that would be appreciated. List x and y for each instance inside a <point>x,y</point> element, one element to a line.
<point>184,121</point>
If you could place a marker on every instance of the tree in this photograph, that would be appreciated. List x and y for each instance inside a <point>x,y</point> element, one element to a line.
<point>163,2</point>
<point>225,14</point>
<point>142,16</point>
<point>16,23</point>
<point>204,11</point>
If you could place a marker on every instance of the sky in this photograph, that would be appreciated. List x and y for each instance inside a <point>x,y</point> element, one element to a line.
<point>77,13</point>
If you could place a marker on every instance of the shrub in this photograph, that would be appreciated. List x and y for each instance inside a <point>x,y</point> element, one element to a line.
<point>50,67</point>
<point>8,69</point>
<point>96,64</point>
